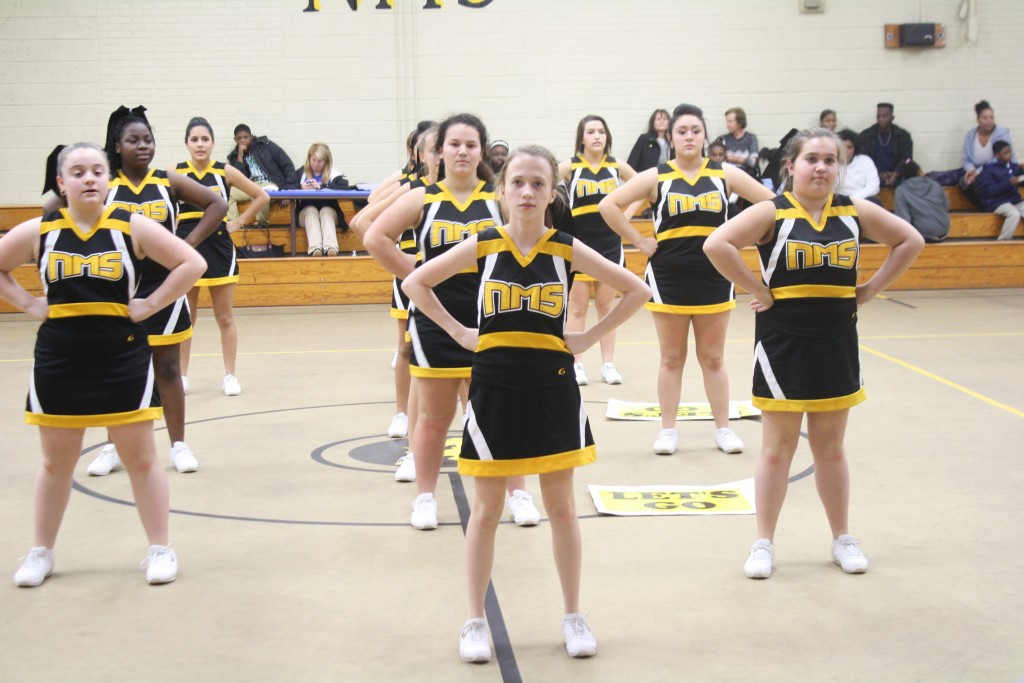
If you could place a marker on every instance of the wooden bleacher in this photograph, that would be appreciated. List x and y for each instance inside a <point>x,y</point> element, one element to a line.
<point>970,259</point>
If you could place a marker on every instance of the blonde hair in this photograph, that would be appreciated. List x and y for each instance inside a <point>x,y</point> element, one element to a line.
<point>320,150</point>
<point>539,152</point>
<point>796,145</point>
<point>66,152</point>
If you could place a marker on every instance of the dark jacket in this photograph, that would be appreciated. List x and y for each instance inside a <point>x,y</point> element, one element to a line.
<point>902,145</point>
<point>923,203</point>
<point>993,185</point>
<point>646,152</point>
<point>272,159</point>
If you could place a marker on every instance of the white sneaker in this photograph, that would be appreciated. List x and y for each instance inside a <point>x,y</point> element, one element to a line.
<point>161,564</point>
<point>847,555</point>
<point>473,643</point>
<point>182,457</point>
<point>394,360</point>
<point>727,441</point>
<point>581,374</point>
<point>667,441</point>
<point>106,462</point>
<point>35,567</point>
<point>579,639</point>
<point>231,386</point>
<point>424,512</point>
<point>610,375</point>
<point>524,512</point>
<point>399,427</point>
<point>759,563</point>
<point>406,468</point>
<point>184,384</point>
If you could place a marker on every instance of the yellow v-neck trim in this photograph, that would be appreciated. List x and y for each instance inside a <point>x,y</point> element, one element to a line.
<point>825,211</point>
<point>682,173</point>
<point>525,260</point>
<point>593,169</point>
<point>137,189</point>
<point>84,236</point>
<point>199,174</point>
<point>461,206</point>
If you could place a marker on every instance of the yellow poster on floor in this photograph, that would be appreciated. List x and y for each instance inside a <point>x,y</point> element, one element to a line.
<point>626,410</point>
<point>733,498</point>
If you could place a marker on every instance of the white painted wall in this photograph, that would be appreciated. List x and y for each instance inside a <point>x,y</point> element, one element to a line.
<point>359,80</point>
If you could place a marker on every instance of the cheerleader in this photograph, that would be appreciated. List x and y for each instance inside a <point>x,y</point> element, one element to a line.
<point>154,193</point>
<point>92,363</point>
<point>806,358</point>
<point>525,412</point>
<point>221,274</point>
<point>428,161</point>
<point>689,194</point>
<point>446,213</point>
<point>590,176</point>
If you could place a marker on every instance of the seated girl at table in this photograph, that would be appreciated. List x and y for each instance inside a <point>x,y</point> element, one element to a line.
<point>320,217</point>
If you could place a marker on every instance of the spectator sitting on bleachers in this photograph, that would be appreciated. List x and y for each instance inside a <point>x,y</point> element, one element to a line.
<point>740,146</point>
<point>321,217</point>
<point>262,162</point>
<point>922,202</point>
<point>998,187</point>
<point>887,144</point>
<point>979,141</point>
<point>827,119</point>
<point>860,179</point>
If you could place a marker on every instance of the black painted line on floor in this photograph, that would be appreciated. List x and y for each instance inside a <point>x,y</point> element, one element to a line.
<point>492,609</point>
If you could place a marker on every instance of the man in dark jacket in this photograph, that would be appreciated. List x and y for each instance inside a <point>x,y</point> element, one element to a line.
<point>263,162</point>
<point>887,144</point>
<point>999,184</point>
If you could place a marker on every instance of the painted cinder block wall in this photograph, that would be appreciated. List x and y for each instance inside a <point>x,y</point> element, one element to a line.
<point>359,79</point>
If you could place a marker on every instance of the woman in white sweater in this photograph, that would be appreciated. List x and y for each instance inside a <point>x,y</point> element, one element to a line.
<point>860,178</point>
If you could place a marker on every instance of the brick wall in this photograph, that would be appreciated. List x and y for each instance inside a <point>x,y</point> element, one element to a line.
<point>359,80</point>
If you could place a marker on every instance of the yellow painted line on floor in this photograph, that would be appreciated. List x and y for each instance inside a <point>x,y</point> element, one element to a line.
<point>948,383</point>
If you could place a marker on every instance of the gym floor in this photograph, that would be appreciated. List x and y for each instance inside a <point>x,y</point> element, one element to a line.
<point>298,562</point>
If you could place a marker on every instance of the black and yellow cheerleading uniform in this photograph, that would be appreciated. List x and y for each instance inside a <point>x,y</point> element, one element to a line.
<point>525,414</point>
<point>806,356</point>
<point>406,244</point>
<point>588,185</point>
<point>447,222</point>
<point>152,198</point>
<point>687,210</point>
<point>218,250</point>
<point>92,366</point>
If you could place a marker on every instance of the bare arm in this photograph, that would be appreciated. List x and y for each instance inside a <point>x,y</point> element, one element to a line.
<point>362,221</point>
<point>386,231</point>
<point>386,187</point>
<point>626,173</point>
<point>419,285</point>
<point>739,181</point>
<point>634,293</point>
<point>904,242</point>
<point>753,226</point>
<point>612,208</point>
<point>185,264</point>
<point>213,205</point>
<point>17,247</point>
<point>260,198</point>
